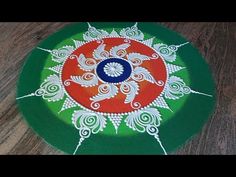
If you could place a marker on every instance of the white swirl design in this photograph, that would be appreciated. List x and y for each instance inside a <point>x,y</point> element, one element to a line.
<point>130,89</point>
<point>135,105</point>
<point>119,51</point>
<point>88,121</point>
<point>166,52</point>
<point>94,33</point>
<point>84,132</point>
<point>51,89</point>
<point>86,64</point>
<point>140,120</point>
<point>147,120</point>
<point>100,53</point>
<point>152,130</point>
<point>155,56</point>
<point>61,54</point>
<point>40,92</point>
<point>136,58</point>
<point>113,69</point>
<point>105,91</point>
<point>176,88</point>
<point>95,105</point>
<point>132,32</point>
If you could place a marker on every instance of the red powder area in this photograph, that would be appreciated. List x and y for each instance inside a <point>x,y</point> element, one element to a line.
<point>148,92</point>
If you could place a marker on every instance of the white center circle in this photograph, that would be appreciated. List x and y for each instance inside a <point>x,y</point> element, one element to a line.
<point>113,69</point>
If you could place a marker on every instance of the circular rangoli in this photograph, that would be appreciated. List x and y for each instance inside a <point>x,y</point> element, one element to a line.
<point>115,88</point>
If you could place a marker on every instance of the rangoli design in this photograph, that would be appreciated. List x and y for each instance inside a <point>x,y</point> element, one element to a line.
<point>118,68</point>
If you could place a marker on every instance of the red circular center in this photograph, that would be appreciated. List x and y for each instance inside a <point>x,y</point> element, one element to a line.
<point>147,92</point>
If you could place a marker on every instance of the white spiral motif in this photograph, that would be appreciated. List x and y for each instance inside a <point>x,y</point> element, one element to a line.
<point>166,52</point>
<point>130,89</point>
<point>132,32</point>
<point>173,47</point>
<point>67,82</point>
<point>100,53</point>
<point>39,92</point>
<point>113,69</point>
<point>125,88</point>
<point>95,105</point>
<point>137,58</point>
<point>94,33</point>
<point>160,83</point>
<point>105,91</point>
<point>72,57</point>
<point>51,89</point>
<point>86,64</point>
<point>84,120</point>
<point>127,41</point>
<point>61,54</point>
<point>135,105</point>
<point>139,77</point>
<point>155,56</point>
<point>104,54</point>
<point>142,120</point>
<point>176,88</point>
<point>186,90</point>
<point>147,120</point>
<point>119,51</point>
<point>89,121</point>
<point>136,61</point>
<point>152,130</point>
<point>84,132</point>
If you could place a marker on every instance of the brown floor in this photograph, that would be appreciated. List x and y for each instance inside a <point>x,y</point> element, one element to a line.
<point>216,42</point>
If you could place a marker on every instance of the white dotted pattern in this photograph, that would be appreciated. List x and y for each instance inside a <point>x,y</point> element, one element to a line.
<point>116,120</point>
<point>160,102</point>
<point>173,68</point>
<point>67,104</point>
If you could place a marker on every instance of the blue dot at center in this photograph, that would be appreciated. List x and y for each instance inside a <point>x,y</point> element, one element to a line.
<point>122,77</point>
